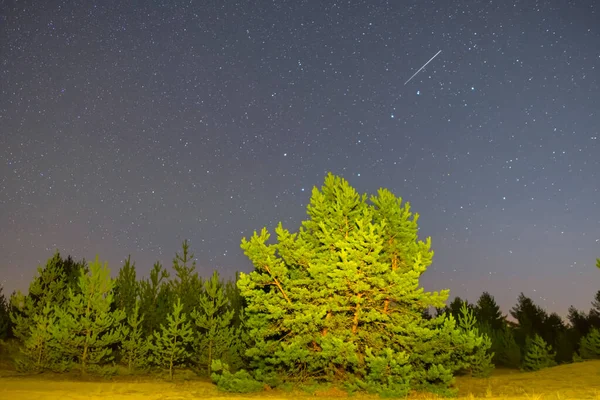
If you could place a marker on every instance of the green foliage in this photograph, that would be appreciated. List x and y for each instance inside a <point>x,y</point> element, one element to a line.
<point>51,285</point>
<point>488,312</point>
<point>5,322</point>
<point>594,314</point>
<point>388,373</point>
<point>240,382</point>
<point>170,344</point>
<point>213,319</point>
<point>235,299</point>
<point>135,346</point>
<point>86,328</point>
<point>589,346</point>
<point>186,284</point>
<point>531,319</point>
<point>39,349</point>
<point>346,282</point>
<point>156,298</point>
<point>538,354</point>
<point>126,287</point>
<point>508,352</point>
<point>478,357</point>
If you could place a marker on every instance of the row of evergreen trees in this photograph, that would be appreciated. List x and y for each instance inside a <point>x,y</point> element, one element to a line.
<point>75,312</point>
<point>536,339</point>
<point>337,302</point>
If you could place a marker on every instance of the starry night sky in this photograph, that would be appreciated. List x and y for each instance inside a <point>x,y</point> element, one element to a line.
<point>127,127</point>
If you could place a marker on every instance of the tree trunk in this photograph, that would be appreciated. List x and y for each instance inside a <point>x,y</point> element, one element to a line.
<point>356,312</point>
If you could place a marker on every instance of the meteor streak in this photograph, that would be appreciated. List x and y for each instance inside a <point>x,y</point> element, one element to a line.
<point>436,54</point>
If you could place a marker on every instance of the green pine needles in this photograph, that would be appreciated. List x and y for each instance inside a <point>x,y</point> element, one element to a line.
<point>170,347</point>
<point>339,300</point>
<point>538,354</point>
<point>86,327</point>
<point>589,346</point>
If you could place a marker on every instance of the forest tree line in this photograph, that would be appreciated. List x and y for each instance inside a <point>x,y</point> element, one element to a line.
<point>338,301</point>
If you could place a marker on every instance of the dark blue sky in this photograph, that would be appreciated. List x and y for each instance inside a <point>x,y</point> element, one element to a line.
<point>127,127</point>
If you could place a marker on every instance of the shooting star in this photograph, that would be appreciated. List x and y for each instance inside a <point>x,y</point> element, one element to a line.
<point>409,79</point>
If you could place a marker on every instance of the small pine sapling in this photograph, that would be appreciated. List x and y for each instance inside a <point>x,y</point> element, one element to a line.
<point>170,344</point>
<point>135,346</point>
<point>538,354</point>
<point>589,345</point>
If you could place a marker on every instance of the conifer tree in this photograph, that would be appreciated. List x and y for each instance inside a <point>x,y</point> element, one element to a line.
<point>538,354</point>
<point>479,361</point>
<point>51,285</point>
<point>213,319</point>
<point>39,349</point>
<point>156,298</point>
<point>126,287</point>
<point>135,346</point>
<point>86,328</point>
<point>488,312</point>
<point>531,319</point>
<point>508,352</point>
<point>454,308</point>
<point>553,330</point>
<point>170,344</point>
<point>589,346</point>
<point>340,299</point>
<point>4,316</point>
<point>187,284</point>
<point>235,299</point>
<point>579,322</point>
<point>594,314</point>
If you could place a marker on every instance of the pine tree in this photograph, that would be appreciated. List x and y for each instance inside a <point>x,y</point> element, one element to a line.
<point>508,352</point>
<point>135,346</point>
<point>235,299</point>
<point>213,319</point>
<point>478,361</point>
<point>454,308</point>
<point>87,328</point>
<point>5,322</point>
<point>170,344</point>
<point>187,284</point>
<point>589,346</point>
<point>531,319</point>
<point>126,287</point>
<point>39,348</point>
<point>594,314</point>
<point>51,285</point>
<point>579,322</point>
<point>538,354</point>
<point>156,298</point>
<point>488,312</point>
<point>340,299</point>
<point>553,330</point>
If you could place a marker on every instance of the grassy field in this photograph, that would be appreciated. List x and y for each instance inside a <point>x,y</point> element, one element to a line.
<point>574,381</point>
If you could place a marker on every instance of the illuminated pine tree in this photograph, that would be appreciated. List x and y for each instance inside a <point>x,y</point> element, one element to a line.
<point>340,298</point>
<point>170,345</point>
<point>213,320</point>
<point>39,348</point>
<point>135,346</point>
<point>86,328</point>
